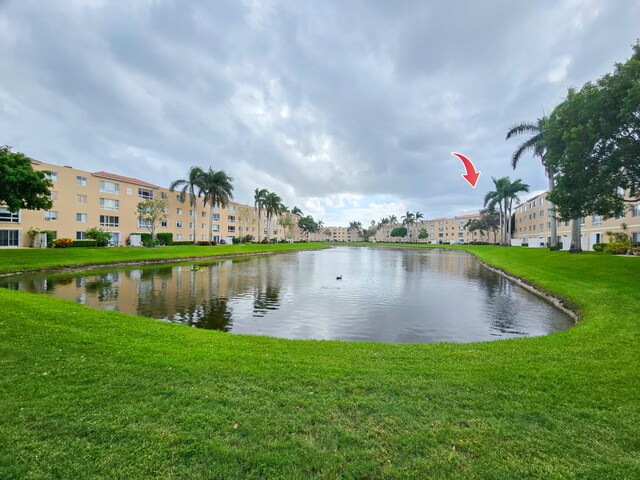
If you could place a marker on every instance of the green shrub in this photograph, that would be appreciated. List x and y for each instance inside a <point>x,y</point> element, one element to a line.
<point>236,240</point>
<point>165,238</point>
<point>265,241</point>
<point>51,237</point>
<point>247,239</point>
<point>85,243</point>
<point>617,248</point>
<point>101,236</point>
<point>63,243</point>
<point>525,244</point>
<point>599,247</point>
<point>183,242</point>
<point>204,243</point>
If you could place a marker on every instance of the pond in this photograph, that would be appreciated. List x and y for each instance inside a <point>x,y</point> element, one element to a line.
<point>387,295</point>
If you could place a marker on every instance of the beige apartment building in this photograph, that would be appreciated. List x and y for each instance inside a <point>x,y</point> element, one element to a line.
<point>82,200</point>
<point>439,230</point>
<point>533,225</point>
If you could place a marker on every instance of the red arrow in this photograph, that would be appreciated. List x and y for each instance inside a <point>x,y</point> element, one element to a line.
<point>471,176</point>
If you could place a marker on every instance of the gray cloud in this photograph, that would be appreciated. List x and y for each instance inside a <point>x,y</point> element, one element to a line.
<point>314,100</point>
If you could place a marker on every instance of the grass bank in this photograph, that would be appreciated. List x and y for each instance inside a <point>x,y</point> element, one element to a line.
<point>95,394</point>
<point>16,260</point>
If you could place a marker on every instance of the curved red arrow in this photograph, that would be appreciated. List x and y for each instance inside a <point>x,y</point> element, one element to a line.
<point>471,175</point>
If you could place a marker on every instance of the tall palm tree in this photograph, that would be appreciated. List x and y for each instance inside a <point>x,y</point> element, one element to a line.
<point>503,196</point>
<point>393,221</point>
<point>416,219</point>
<point>273,206</point>
<point>259,199</point>
<point>511,193</point>
<point>193,187</point>
<point>357,226</point>
<point>535,144</point>
<point>218,190</point>
<point>296,211</point>
<point>408,219</point>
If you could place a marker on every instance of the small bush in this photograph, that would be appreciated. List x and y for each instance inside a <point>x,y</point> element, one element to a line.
<point>100,235</point>
<point>63,243</point>
<point>265,241</point>
<point>236,240</point>
<point>85,243</point>
<point>599,247</point>
<point>205,243</point>
<point>51,237</point>
<point>247,239</point>
<point>617,248</point>
<point>636,251</point>
<point>165,238</point>
<point>525,244</point>
<point>183,242</point>
<point>282,240</point>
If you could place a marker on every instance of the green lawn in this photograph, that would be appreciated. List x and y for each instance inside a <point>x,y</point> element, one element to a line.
<point>14,260</point>
<point>96,394</point>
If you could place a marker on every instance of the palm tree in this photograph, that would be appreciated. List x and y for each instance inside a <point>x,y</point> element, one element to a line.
<point>296,211</point>
<point>217,189</point>
<point>416,219</point>
<point>503,196</point>
<point>273,206</point>
<point>259,199</point>
<point>393,220</point>
<point>536,144</point>
<point>193,187</point>
<point>408,219</point>
<point>511,193</point>
<point>357,226</point>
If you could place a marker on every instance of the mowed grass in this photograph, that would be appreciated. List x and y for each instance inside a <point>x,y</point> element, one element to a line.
<point>15,260</point>
<point>95,394</point>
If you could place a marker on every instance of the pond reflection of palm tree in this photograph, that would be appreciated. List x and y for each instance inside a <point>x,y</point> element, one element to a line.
<point>265,300</point>
<point>102,287</point>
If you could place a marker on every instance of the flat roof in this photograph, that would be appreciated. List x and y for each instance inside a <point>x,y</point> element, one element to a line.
<point>113,176</point>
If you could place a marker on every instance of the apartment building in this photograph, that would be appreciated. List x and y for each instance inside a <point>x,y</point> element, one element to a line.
<point>335,234</point>
<point>533,225</point>
<point>439,230</point>
<point>82,200</point>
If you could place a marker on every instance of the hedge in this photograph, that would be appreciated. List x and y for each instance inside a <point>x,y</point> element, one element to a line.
<point>85,243</point>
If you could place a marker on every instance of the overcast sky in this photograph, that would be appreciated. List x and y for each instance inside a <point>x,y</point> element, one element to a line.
<point>348,109</point>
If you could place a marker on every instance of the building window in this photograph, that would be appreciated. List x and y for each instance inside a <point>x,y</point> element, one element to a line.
<point>636,238</point>
<point>109,204</point>
<point>191,213</point>
<point>109,221</point>
<point>231,218</point>
<point>81,235</point>
<point>81,199</point>
<point>582,221</point>
<point>164,223</point>
<point>179,224</point>
<point>190,224</point>
<point>82,181</point>
<point>216,216</point>
<point>215,228</point>
<point>81,217</point>
<point>163,195</point>
<point>204,226</point>
<point>597,220</point>
<point>109,187</point>
<point>635,211</point>
<point>50,215</point>
<point>53,176</point>
<point>144,223</point>
<point>541,213</point>
<point>178,211</point>
<point>204,214</point>
<point>179,237</point>
<point>541,227</point>
<point>145,193</point>
<point>191,237</point>
<point>8,217</point>
<point>9,238</point>
<point>204,237</point>
<point>231,229</point>
<point>232,208</point>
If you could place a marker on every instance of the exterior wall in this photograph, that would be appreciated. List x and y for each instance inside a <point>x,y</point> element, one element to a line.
<point>335,234</point>
<point>533,224</point>
<point>79,203</point>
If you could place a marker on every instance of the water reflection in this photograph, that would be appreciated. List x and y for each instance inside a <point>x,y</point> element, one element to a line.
<point>389,295</point>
